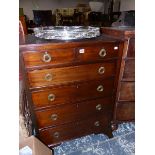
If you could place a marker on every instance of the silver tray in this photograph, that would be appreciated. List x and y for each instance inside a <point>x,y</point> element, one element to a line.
<point>66,32</point>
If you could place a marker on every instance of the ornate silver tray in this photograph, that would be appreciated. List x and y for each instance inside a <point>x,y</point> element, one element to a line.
<point>66,32</point>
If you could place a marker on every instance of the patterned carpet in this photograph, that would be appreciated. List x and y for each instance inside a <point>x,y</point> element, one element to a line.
<point>123,143</point>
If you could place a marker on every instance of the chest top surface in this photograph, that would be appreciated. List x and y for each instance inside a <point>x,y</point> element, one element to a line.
<point>31,40</point>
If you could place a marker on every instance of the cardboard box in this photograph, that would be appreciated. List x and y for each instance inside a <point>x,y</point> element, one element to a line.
<point>37,147</point>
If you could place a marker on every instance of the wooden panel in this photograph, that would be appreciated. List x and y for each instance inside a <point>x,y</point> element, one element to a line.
<point>127,91</point>
<point>73,112</point>
<point>70,74</point>
<point>97,52</point>
<point>73,93</point>
<point>125,111</point>
<point>129,70</point>
<point>118,32</point>
<point>131,48</point>
<point>73,130</point>
<point>58,56</point>
<point>23,21</point>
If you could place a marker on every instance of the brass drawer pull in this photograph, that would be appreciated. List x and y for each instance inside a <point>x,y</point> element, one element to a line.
<point>102,53</point>
<point>101,70</point>
<point>97,123</point>
<point>54,117</point>
<point>51,97</point>
<point>46,57</point>
<point>48,77</point>
<point>56,135</point>
<point>99,107</point>
<point>100,88</point>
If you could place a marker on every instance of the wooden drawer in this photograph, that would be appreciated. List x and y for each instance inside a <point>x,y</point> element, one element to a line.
<point>73,112</point>
<point>127,91</point>
<point>48,57</point>
<point>58,76</point>
<point>125,111</point>
<point>108,50</point>
<point>73,130</point>
<point>73,93</point>
<point>129,70</point>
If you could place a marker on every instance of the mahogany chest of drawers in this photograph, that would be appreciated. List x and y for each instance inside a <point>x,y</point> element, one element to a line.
<point>69,86</point>
<point>125,97</point>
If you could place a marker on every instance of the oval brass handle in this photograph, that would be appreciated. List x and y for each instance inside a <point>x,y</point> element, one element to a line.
<point>101,70</point>
<point>48,77</point>
<point>54,117</point>
<point>46,57</point>
<point>56,134</point>
<point>102,53</point>
<point>97,123</point>
<point>99,107</point>
<point>100,88</point>
<point>51,97</point>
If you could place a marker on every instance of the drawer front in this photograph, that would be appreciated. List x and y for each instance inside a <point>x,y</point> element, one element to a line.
<point>73,112</point>
<point>131,48</point>
<point>46,57</point>
<point>73,93</point>
<point>73,130</point>
<point>109,50</point>
<point>127,91</point>
<point>129,70</point>
<point>125,111</point>
<point>57,76</point>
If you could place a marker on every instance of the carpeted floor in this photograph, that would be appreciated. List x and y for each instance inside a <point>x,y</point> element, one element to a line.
<point>123,143</point>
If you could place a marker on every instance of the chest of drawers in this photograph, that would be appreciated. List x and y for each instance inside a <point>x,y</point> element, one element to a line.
<point>70,87</point>
<point>125,96</point>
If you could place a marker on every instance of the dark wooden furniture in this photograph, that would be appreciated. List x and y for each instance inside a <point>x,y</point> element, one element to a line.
<point>125,97</point>
<point>43,17</point>
<point>95,18</point>
<point>70,86</point>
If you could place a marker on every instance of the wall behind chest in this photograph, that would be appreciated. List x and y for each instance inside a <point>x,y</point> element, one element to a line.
<point>127,5</point>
